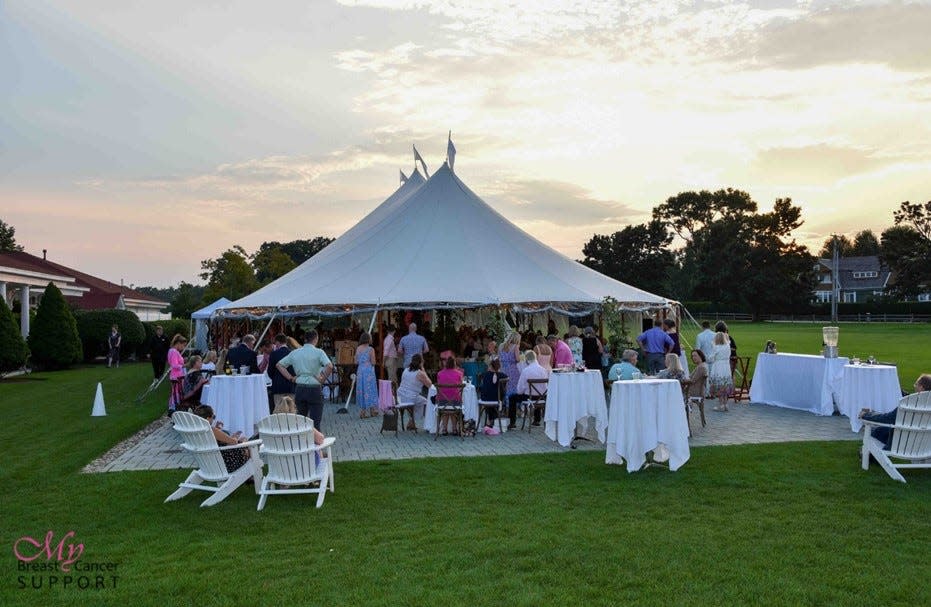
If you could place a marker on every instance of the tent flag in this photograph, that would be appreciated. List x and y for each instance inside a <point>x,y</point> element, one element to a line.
<point>419,158</point>
<point>403,177</point>
<point>450,152</point>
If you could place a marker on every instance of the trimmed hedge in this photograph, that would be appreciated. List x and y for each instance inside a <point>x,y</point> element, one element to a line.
<point>171,327</point>
<point>820,309</point>
<point>53,337</point>
<point>13,350</point>
<point>94,330</point>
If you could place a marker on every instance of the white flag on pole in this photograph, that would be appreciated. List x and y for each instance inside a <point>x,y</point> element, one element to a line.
<point>419,158</point>
<point>450,151</point>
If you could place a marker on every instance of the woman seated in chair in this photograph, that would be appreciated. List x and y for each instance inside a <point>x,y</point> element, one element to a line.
<point>233,458</point>
<point>210,361</point>
<point>490,390</point>
<point>413,382</point>
<point>192,385</point>
<point>449,375</point>
<point>287,405</point>
<point>544,353</point>
<point>695,384</point>
<point>673,368</point>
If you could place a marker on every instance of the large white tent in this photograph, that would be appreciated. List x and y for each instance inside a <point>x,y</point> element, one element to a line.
<point>200,318</point>
<point>435,244</point>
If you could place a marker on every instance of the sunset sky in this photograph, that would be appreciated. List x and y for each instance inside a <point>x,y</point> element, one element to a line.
<point>138,138</point>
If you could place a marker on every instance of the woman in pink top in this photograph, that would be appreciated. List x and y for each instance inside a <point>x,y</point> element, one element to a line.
<point>176,375</point>
<point>449,376</point>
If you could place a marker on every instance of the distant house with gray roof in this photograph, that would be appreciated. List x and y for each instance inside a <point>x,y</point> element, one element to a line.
<point>860,279</point>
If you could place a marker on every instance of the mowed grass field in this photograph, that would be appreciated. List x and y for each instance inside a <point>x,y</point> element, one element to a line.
<point>904,344</point>
<point>769,525</point>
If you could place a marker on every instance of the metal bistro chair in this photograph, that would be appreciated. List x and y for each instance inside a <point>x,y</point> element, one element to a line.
<point>331,385</point>
<point>536,400</point>
<point>445,406</point>
<point>500,406</point>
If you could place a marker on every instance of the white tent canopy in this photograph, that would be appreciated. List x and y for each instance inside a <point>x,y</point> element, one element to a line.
<point>200,319</point>
<point>435,244</point>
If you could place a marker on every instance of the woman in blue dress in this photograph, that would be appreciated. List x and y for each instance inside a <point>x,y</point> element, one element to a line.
<point>366,386</point>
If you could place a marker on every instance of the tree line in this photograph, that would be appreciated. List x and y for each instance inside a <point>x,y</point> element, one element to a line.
<point>717,246</point>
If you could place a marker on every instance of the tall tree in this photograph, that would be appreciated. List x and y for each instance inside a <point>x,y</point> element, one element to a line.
<point>844,247</point>
<point>638,255</point>
<point>270,263</point>
<point>298,250</point>
<point>736,255</point>
<point>8,238</point>
<point>187,299</point>
<point>13,349</point>
<point>906,249</point>
<point>229,275</point>
<point>53,337</point>
<point>865,243</point>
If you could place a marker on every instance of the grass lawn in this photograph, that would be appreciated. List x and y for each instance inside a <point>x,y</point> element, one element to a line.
<point>776,524</point>
<point>901,343</point>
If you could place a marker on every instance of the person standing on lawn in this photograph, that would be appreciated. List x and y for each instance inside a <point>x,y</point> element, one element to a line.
<point>158,352</point>
<point>115,340</point>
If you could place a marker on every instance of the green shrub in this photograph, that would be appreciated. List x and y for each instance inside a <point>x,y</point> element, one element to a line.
<point>170,326</point>
<point>13,349</point>
<point>53,337</point>
<point>94,329</point>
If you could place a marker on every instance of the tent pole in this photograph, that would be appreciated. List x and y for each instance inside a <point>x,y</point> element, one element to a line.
<point>345,407</point>
<point>267,327</point>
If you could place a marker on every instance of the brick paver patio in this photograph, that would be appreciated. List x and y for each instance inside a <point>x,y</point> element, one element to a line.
<point>157,447</point>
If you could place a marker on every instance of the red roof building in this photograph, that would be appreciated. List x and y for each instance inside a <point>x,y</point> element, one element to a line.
<point>30,274</point>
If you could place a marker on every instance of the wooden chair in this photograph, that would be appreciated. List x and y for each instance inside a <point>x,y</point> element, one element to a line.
<point>198,440</point>
<point>498,405</point>
<point>331,384</point>
<point>536,401</point>
<point>911,437</point>
<point>742,379</point>
<point>295,462</point>
<point>447,407</point>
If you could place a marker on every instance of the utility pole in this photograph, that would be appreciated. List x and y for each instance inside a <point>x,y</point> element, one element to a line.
<point>835,273</point>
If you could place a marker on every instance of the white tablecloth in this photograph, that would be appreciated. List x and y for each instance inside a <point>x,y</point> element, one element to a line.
<point>798,381</point>
<point>873,387</point>
<point>645,415</point>
<point>571,399</point>
<point>239,401</point>
<point>469,407</point>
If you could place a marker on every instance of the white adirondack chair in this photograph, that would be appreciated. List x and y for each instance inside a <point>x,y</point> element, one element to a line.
<point>288,448</point>
<point>911,437</point>
<point>198,440</point>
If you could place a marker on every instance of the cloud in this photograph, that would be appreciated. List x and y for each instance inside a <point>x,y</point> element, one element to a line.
<point>814,164</point>
<point>895,34</point>
<point>561,203</point>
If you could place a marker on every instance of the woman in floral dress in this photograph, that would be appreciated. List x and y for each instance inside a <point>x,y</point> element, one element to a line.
<point>366,386</point>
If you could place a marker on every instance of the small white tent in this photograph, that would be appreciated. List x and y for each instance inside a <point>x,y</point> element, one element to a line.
<point>434,245</point>
<point>200,319</point>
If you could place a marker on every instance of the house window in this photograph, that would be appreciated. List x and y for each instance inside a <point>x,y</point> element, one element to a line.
<point>850,297</point>
<point>823,296</point>
<point>865,274</point>
<point>924,297</point>
<point>825,278</point>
